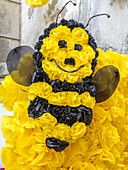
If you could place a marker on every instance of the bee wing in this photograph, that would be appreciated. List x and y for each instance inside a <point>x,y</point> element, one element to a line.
<point>106,80</point>
<point>20,64</point>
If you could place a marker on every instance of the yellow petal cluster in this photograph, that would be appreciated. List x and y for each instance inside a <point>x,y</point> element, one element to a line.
<point>44,90</point>
<point>25,140</point>
<point>51,50</point>
<point>103,145</point>
<point>36,3</point>
<point>10,92</point>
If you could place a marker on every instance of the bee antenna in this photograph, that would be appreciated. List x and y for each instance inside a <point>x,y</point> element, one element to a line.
<point>63,9</point>
<point>96,16</point>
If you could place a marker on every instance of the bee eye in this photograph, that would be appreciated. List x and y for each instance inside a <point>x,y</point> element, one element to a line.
<point>78,47</point>
<point>62,44</point>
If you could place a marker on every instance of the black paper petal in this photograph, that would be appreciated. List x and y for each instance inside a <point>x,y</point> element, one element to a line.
<point>56,144</point>
<point>78,47</point>
<point>70,61</point>
<point>40,76</point>
<point>62,44</point>
<point>37,107</point>
<point>79,87</point>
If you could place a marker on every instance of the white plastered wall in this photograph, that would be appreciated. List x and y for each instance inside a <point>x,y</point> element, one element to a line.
<point>109,33</point>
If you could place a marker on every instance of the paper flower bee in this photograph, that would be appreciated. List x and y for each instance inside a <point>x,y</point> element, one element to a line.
<point>62,92</point>
<point>65,61</point>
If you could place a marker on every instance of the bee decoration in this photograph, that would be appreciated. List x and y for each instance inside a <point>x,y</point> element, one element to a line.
<point>63,62</point>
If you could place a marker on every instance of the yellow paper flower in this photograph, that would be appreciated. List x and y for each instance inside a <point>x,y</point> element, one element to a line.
<point>36,3</point>
<point>78,130</point>
<point>10,92</point>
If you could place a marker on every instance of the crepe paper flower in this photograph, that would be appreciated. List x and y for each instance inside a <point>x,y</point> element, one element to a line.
<point>36,3</point>
<point>10,92</point>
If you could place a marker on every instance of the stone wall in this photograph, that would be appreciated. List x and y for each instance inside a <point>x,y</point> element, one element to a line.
<point>10,18</point>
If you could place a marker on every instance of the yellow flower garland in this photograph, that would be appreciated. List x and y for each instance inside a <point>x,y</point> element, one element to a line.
<point>101,146</point>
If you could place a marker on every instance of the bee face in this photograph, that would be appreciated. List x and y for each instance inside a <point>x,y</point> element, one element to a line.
<point>67,54</point>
